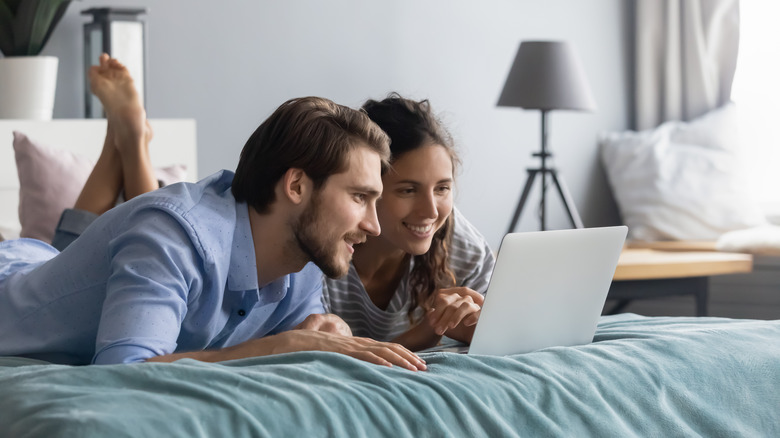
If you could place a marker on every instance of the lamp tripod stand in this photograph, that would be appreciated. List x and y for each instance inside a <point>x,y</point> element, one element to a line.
<point>560,184</point>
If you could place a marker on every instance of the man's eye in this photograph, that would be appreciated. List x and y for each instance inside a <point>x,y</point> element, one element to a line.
<point>360,197</point>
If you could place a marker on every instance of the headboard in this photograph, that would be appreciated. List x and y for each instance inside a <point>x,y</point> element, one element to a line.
<point>174,142</point>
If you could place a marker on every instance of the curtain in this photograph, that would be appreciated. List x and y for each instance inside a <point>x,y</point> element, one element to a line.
<point>686,56</point>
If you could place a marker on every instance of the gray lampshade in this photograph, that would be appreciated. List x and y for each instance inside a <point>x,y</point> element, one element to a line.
<point>547,75</point>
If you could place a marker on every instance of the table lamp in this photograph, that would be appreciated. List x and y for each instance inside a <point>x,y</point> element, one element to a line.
<point>545,76</point>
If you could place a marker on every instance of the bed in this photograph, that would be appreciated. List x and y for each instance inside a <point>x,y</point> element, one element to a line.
<point>641,376</point>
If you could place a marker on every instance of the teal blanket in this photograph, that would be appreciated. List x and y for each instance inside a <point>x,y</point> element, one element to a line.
<point>662,377</point>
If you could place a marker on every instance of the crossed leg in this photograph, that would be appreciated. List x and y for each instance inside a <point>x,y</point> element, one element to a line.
<point>124,162</point>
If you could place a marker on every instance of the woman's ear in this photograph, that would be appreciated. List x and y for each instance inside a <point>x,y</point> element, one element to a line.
<point>295,185</point>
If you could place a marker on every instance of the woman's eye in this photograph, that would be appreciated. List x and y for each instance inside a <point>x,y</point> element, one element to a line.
<point>406,191</point>
<point>443,189</point>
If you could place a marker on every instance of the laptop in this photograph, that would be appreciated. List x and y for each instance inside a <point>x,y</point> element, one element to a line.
<point>548,289</point>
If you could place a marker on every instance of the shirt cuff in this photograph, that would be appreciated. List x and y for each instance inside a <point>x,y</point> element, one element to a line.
<point>122,354</point>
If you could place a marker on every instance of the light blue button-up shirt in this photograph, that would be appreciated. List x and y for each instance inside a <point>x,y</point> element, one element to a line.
<point>172,270</point>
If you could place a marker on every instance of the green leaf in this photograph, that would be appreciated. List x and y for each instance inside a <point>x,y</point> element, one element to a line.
<point>22,25</point>
<point>13,5</point>
<point>6,29</point>
<point>29,17</point>
<point>35,20</point>
<point>61,8</point>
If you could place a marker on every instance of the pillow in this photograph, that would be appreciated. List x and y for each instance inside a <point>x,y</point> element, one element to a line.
<point>681,181</point>
<point>50,180</point>
<point>9,232</point>
<point>763,240</point>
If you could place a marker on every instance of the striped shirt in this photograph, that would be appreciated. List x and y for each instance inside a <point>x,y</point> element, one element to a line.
<point>471,260</point>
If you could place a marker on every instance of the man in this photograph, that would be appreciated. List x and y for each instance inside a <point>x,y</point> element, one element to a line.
<point>216,270</point>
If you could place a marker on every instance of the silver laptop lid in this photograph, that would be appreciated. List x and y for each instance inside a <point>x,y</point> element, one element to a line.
<point>547,289</point>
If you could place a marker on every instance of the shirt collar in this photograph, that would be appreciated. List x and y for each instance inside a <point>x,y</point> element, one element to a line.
<point>242,274</point>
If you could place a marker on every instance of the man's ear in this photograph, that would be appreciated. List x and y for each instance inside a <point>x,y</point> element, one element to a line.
<point>296,185</point>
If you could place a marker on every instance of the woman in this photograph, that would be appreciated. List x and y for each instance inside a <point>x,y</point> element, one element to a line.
<point>424,277</point>
<point>124,166</point>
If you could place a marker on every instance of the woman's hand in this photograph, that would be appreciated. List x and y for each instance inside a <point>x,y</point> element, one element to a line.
<point>452,311</point>
<point>454,307</point>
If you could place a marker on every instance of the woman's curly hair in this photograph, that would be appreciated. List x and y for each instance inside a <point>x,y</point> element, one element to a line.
<point>410,125</point>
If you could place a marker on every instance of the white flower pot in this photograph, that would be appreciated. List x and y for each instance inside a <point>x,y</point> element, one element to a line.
<point>27,85</point>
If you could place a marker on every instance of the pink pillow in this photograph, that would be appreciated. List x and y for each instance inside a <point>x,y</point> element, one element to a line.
<point>50,180</point>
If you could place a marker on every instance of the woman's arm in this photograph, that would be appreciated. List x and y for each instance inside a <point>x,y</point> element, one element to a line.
<point>454,312</point>
<point>419,337</point>
<point>451,311</point>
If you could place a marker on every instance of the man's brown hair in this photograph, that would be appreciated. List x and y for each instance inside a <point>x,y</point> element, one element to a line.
<point>308,133</point>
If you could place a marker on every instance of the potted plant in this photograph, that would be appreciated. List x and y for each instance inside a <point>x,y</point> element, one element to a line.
<point>28,80</point>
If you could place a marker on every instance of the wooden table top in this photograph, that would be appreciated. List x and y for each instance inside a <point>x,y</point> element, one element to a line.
<point>647,264</point>
<point>674,245</point>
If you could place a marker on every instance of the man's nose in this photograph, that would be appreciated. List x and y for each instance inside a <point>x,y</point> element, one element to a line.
<point>370,223</point>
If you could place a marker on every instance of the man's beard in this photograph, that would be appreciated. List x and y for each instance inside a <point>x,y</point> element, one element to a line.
<point>314,244</point>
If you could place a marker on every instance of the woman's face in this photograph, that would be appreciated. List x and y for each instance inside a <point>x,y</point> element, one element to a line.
<point>417,198</point>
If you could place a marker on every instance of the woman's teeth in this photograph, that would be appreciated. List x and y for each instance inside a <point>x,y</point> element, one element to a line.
<point>420,229</point>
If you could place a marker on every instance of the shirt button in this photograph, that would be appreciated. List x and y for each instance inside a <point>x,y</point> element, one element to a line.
<point>241,312</point>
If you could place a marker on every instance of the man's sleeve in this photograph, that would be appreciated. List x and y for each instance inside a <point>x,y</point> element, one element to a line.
<point>154,267</point>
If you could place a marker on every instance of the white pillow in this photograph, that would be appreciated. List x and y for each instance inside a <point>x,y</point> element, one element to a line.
<point>9,232</point>
<point>681,181</point>
<point>763,240</point>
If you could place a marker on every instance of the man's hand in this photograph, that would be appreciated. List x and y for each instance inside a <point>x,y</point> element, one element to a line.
<point>369,350</point>
<point>326,322</point>
<point>451,307</point>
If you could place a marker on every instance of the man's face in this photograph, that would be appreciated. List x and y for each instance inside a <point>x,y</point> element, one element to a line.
<point>341,213</point>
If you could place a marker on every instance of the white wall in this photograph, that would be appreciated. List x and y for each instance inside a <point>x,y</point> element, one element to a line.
<point>229,66</point>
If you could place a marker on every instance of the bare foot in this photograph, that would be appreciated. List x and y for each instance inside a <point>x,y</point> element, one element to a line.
<point>111,83</point>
